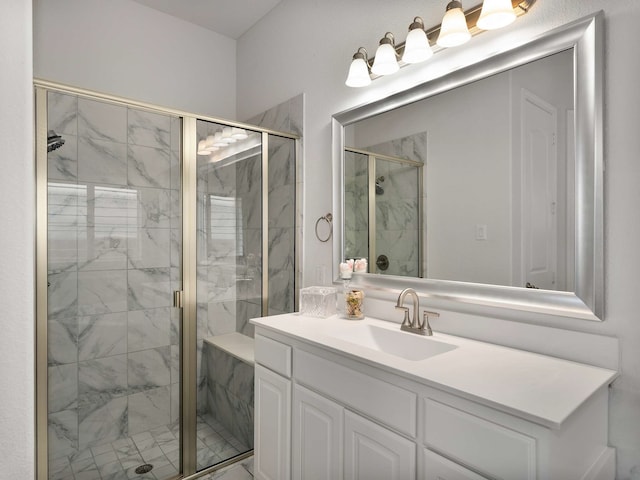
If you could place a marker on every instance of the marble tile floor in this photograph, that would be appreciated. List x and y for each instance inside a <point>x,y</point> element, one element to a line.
<point>159,447</point>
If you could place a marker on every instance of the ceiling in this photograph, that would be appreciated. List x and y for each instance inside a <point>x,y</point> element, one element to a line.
<point>231,18</point>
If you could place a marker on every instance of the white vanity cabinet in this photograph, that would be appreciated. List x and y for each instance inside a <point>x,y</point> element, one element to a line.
<point>373,451</point>
<point>317,431</point>
<point>272,385</point>
<point>328,414</point>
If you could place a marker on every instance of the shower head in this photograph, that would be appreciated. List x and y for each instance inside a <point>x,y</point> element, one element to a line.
<point>379,189</point>
<point>54,141</point>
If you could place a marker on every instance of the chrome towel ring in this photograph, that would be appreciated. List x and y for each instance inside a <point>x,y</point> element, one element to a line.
<point>327,218</point>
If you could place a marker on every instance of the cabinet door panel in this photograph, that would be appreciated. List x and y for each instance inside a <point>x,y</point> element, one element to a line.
<point>317,436</point>
<point>439,468</point>
<point>272,436</point>
<point>375,453</point>
<point>487,447</point>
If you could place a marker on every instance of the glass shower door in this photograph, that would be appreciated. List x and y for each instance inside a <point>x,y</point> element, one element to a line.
<point>356,205</point>
<point>229,287</point>
<point>114,258</point>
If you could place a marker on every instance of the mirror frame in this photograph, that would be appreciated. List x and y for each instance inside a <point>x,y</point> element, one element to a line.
<point>585,37</point>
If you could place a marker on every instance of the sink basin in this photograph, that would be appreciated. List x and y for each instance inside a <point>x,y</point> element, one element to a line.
<point>409,346</point>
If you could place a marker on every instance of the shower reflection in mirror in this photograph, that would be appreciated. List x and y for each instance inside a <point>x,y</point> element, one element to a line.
<point>383,207</point>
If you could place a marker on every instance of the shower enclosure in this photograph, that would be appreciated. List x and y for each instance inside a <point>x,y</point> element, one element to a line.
<point>155,248</point>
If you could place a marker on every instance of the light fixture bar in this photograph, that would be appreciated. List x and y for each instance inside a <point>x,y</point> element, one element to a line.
<point>520,7</point>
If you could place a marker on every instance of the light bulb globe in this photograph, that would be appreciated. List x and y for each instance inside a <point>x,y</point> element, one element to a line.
<point>454,30</point>
<point>416,47</point>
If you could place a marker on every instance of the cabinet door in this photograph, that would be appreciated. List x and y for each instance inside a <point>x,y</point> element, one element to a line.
<point>374,453</point>
<point>317,436</point>
<point>272,435</point>
<point>439,468</point>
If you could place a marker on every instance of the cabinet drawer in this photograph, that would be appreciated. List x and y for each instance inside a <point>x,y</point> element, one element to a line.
<point>380,400</point>
<point>274,355</point>
<point>439,468</point>
<point>479,444</point>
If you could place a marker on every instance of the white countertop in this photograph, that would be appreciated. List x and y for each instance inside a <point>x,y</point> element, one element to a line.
<point>539,388</point>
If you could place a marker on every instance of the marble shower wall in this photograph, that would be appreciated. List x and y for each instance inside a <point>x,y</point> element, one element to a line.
<point>285,202</point>
<point>397,222</point>
<point>114,256</point>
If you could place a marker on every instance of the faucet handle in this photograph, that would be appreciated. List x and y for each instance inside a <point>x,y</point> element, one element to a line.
<point>405,321</point>
<point>425,321</point>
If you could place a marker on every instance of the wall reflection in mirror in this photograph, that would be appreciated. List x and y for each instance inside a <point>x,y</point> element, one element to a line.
<point>498,205</point>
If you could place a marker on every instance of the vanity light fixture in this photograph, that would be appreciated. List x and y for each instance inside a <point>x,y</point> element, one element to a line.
<point>226,136</point>
<point>210,143</point>
<point>457,27</point>
<point>386,59</point>
<point>453,30</point>
<point>359,70</point>
<point>416,46</point>
<point>202,148</point>
<point>239,133</point>
<point>221,139</point>
<point>218,141</point>
<point>496,14</point>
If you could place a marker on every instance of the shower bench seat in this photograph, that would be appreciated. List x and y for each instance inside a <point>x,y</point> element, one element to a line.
<point>235,344</point>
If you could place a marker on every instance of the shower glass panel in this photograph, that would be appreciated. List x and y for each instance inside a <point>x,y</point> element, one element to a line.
<point>356,205</point>
<point>114,253</point>
<point>229,287</point>
<point>282,225</point>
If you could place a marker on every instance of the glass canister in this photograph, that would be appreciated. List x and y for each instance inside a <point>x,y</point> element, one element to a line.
<point>354,299</point>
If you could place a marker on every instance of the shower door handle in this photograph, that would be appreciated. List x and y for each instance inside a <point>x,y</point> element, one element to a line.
<point>177,299</point>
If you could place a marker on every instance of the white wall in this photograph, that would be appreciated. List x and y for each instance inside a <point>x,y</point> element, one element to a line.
<point>306,46</point>
<point>16,243</point>
<point>123,48</point>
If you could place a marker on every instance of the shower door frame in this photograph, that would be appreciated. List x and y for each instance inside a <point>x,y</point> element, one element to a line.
<point>185,299</point>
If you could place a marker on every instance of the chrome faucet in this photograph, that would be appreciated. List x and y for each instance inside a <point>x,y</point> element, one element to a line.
<point>414,326</point>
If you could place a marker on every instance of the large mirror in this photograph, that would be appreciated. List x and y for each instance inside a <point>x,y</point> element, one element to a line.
<point>486,183</point>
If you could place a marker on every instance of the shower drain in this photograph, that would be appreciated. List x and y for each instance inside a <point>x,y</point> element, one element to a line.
<point>146,468</point>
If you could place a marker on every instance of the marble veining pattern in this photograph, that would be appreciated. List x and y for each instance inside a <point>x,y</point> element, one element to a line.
<point>102,161</point>
<point>149,167</point>
<point>62,113</point>
<point>149,328</point>
<point>63,387</point>
<point>149,129</point>
<point>153,209</point>
<point>102,247</point>
<point>149,248</point>
<point>102,292</point>
<point>102,121</point>
<point>113,338</point>
<point>149,369</point>
<point>102,335</point>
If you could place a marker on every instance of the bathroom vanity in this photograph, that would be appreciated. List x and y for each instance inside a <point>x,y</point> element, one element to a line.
<point>340,399</point>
